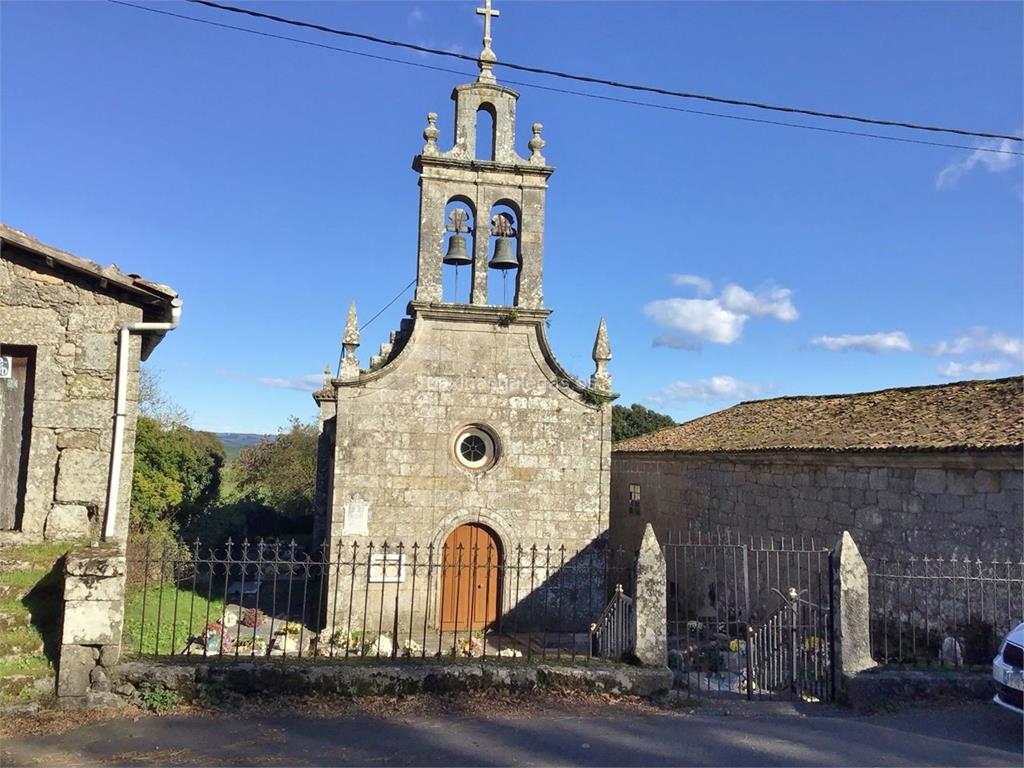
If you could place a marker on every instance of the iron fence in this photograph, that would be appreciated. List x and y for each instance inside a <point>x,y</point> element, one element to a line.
<point>946,612</point>
<point>365,600</point>
<point>749,616</point>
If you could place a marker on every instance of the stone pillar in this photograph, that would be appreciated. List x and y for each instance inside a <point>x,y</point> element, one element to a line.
<point>850,611</point>
<point>650,602</point>
<point>94,580</point>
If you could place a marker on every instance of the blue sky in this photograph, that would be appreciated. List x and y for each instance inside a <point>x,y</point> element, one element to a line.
<point>270,183</point>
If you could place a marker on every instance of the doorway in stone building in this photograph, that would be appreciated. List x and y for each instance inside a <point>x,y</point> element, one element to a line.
<point>17,382</point>
<point>470,578</point>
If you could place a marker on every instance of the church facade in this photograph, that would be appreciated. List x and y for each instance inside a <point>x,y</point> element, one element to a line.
<point>464,434</point>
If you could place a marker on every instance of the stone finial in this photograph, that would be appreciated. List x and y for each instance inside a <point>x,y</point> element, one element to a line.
<point>349,343</point>
<point>327,376</point>
<point>487,57</point>
<point>536,144</point>
<point>601,380</point>
<point>430,134</point>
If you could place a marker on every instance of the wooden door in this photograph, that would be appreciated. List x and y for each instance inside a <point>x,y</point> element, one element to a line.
<point>470,578</point>
<point>16,385</point>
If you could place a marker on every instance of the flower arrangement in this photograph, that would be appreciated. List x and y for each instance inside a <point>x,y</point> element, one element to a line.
<point>254,646</point>
<point>471,646</point>
<point>252,618</point>
<point>230,618</point>
<point>292,628</point>
<point>510,653</point>
<point>737,646</point>
<point>694,626</point>
<point>215,638</point>
<point>813,644</point>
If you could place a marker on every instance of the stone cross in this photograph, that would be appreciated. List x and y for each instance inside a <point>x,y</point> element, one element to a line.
<point>488,13</point>
<point>487,57</point>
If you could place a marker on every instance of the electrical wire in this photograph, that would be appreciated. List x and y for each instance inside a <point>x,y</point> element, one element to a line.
<point>566,91</point>
<point>385,307</point>
<point>604,81</point>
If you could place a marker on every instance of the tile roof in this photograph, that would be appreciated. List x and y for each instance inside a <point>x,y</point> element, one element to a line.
<point>965,414</point>
<point>153,292</point>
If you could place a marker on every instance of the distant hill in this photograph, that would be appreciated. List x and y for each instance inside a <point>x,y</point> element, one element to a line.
<point>234,442</point>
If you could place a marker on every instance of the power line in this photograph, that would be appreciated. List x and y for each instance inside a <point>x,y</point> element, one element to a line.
<point>385,307</point>
<point>567,91</point>
<point>603,81</point>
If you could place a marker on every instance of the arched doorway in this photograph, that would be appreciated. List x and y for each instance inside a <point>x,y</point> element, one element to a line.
<point>470,578</point>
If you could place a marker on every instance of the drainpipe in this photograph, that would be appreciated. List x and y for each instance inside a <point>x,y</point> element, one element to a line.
<point>121,407</point>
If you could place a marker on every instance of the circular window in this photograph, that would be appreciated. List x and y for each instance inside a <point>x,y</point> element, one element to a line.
<point>475,448</point>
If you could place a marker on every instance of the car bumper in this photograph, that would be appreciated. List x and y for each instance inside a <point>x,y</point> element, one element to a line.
<point>1009,686</point>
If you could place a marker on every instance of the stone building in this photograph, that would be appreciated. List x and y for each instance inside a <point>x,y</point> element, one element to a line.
<point>464,429</point>
<point>932,470</point>
<point>60,321</point>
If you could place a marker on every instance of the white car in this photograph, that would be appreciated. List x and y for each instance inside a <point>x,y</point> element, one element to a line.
<point>1008,671</point>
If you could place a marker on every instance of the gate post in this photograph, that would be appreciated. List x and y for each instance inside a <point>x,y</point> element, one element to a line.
<point>850,612</point>
<point>650,602</point>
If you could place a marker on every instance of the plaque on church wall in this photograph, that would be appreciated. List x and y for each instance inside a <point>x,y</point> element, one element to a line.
<point>357,517</point>
<point>6,366</point>
<point>387,569</point>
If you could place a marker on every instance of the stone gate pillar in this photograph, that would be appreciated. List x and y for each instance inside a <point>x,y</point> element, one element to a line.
<point>850,611</point>
<point>650,602</point>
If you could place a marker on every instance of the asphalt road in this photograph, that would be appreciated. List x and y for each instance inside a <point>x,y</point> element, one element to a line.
<point>974,734</point>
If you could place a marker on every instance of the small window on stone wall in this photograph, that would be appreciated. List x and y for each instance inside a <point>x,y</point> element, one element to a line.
<point>634,498</point>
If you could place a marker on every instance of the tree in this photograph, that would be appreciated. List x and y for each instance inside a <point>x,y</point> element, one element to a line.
<point>281,472</point>
<point>637,420</point>
<point>177,469</point>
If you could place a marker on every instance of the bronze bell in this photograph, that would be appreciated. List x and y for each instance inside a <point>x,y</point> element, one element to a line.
<point>504,255</point>
<point>457,255</point>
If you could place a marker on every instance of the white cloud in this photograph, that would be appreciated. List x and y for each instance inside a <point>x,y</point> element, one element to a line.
<point>309,383</point>
<point>993,162</point>
<point>719,320</point>
<point>415,16</point>
<point>715,388</point>
<point>702,284</point>
<point>982,339</point>
<point>775,303</point>
<point>892,341</point>
<point>954,370</point>
<point>704,318</point>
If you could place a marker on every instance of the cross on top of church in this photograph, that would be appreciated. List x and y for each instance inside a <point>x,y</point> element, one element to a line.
<point>487,57</point>
<point>487,12</point>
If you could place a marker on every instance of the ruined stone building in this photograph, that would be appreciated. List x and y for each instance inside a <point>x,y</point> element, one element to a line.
<point>932,470</point>
<point>60,322</point>
<point>463,431</point>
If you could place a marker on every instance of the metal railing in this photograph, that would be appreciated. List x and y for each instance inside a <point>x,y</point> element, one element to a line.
<point>731,625</point>
<point>946,612</point>
<point>366,600</point>
<point>615,629</point>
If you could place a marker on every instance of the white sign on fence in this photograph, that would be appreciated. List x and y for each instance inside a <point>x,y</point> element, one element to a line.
<point>6,366</point>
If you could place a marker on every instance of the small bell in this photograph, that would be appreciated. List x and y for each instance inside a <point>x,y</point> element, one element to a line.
<point>504,255</point>
<point>457,254</point>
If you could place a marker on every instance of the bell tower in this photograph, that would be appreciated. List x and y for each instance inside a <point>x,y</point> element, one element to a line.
<point>490,196</point>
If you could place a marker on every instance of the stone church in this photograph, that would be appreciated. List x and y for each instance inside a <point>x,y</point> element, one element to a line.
<point>464,432</point>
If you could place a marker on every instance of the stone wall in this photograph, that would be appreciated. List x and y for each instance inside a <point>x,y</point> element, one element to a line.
<point>93,617</point>
<point>894,503</point>
<point>73,327</point>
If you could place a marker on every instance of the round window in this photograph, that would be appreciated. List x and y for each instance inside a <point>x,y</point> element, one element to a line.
<point>475,448</point>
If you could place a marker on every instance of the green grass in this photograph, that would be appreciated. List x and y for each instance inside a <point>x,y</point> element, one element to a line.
<point>174,629</point>
<point>34,664</point>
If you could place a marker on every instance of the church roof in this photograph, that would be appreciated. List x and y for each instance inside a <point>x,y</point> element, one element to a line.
<point>963,415</point>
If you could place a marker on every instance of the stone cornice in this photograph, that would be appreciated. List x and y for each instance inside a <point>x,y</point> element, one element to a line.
<point>421,162</point>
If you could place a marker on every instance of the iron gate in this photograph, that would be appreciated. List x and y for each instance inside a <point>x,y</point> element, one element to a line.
<point>749,618</point>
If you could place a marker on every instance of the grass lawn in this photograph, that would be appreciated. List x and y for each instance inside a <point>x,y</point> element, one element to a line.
<point>175,607</point>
